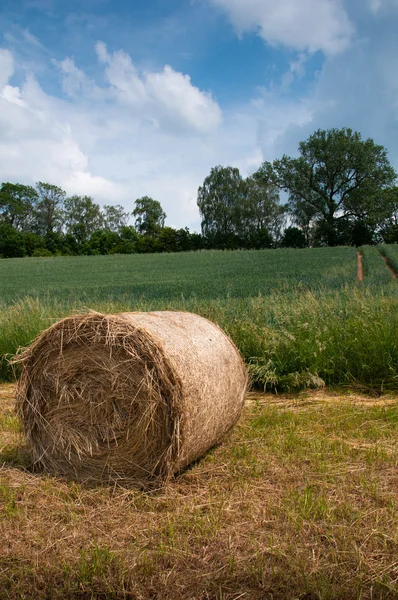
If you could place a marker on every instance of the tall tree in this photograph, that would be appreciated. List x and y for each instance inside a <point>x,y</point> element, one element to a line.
<point>48,213</point>
<point>264,211</point>
<point>115,217</point>
<point>149,216</point>
<point>82,216</point>
<point>16,205</point>
<point>336,176</point>
<point>221,205</point>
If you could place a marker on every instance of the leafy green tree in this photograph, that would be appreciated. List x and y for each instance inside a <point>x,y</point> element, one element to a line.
<point>220,202</point>
<point>336,176</point>
<point>102,242</point>
<point>146,244</point>
<point>48,214</point>
<point>82,216</point>
<point>237,212</point>
<point>16,205</point>
<point>167,240</point>
<point>149,216</point>
<point>263,211</point>
<point>115,217</point>
<point>11,242</point>
<point>293,237</point>
<point>55,242</point>
<point>33,243</point>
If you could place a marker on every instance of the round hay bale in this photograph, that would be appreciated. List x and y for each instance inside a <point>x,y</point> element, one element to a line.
<point>129,398</point>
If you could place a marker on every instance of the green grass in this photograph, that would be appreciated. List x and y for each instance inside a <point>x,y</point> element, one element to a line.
<point>289,340</point>
<point>203,275</point>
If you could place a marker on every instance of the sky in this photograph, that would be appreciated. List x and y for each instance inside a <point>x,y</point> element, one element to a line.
<point>120,99</point>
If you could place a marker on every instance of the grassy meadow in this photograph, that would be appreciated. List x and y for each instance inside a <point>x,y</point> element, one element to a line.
<point>290,312</point>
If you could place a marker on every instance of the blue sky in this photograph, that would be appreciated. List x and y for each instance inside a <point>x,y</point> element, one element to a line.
<point>123,99</point>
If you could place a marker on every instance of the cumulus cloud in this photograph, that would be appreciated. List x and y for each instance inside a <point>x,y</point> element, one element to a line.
<point>167,98</point>
<point>309,25</point>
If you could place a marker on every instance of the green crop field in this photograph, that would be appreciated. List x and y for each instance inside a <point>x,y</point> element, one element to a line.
<point>376,275</point>
<point>206,274</point>
<point>391,253</point>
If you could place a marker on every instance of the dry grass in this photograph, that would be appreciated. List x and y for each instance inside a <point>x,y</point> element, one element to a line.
<point>300,501</point>
<point>128,398</point>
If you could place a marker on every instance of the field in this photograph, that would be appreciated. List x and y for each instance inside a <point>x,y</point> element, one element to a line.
<point>202,275</point>
<point>289,311</point>
<point>299,502</point>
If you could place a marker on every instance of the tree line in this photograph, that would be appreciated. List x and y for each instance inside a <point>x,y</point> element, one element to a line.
<point>340,190</point>
<point>42,221</point>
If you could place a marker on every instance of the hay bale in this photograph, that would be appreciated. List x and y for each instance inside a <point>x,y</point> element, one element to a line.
<point>132,397</point>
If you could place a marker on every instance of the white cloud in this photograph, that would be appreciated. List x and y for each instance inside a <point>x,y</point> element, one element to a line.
<point>122,75</point>
<point>6,67</point>
<point>74,81</point>
<point>179,101</point>
<point>309,25</point>
<point>167,98</point>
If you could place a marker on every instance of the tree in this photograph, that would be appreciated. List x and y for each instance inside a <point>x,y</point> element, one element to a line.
<point>16,205</point>
<point>237,212</point>
<point>149,216</point>
<point>82,216</point>
<point>293,237</point>
<point>115,217</point>
<point>11,242</point>
<point>265,217</point>
<point>48,213</point>
<point>337,176</point>
<point>221,206</point>
<point>102,242</point>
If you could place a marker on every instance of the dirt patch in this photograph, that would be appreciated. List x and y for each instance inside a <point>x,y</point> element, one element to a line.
<point>360,267</point>
<point>390,267</point>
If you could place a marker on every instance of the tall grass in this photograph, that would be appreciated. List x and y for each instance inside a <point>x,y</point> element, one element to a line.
<point>289,339</point>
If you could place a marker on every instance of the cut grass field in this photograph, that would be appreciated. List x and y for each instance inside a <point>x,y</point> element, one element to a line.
<point>299,501</point>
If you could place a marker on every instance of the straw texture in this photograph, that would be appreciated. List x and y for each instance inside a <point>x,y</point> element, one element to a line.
<point>129,398</point>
